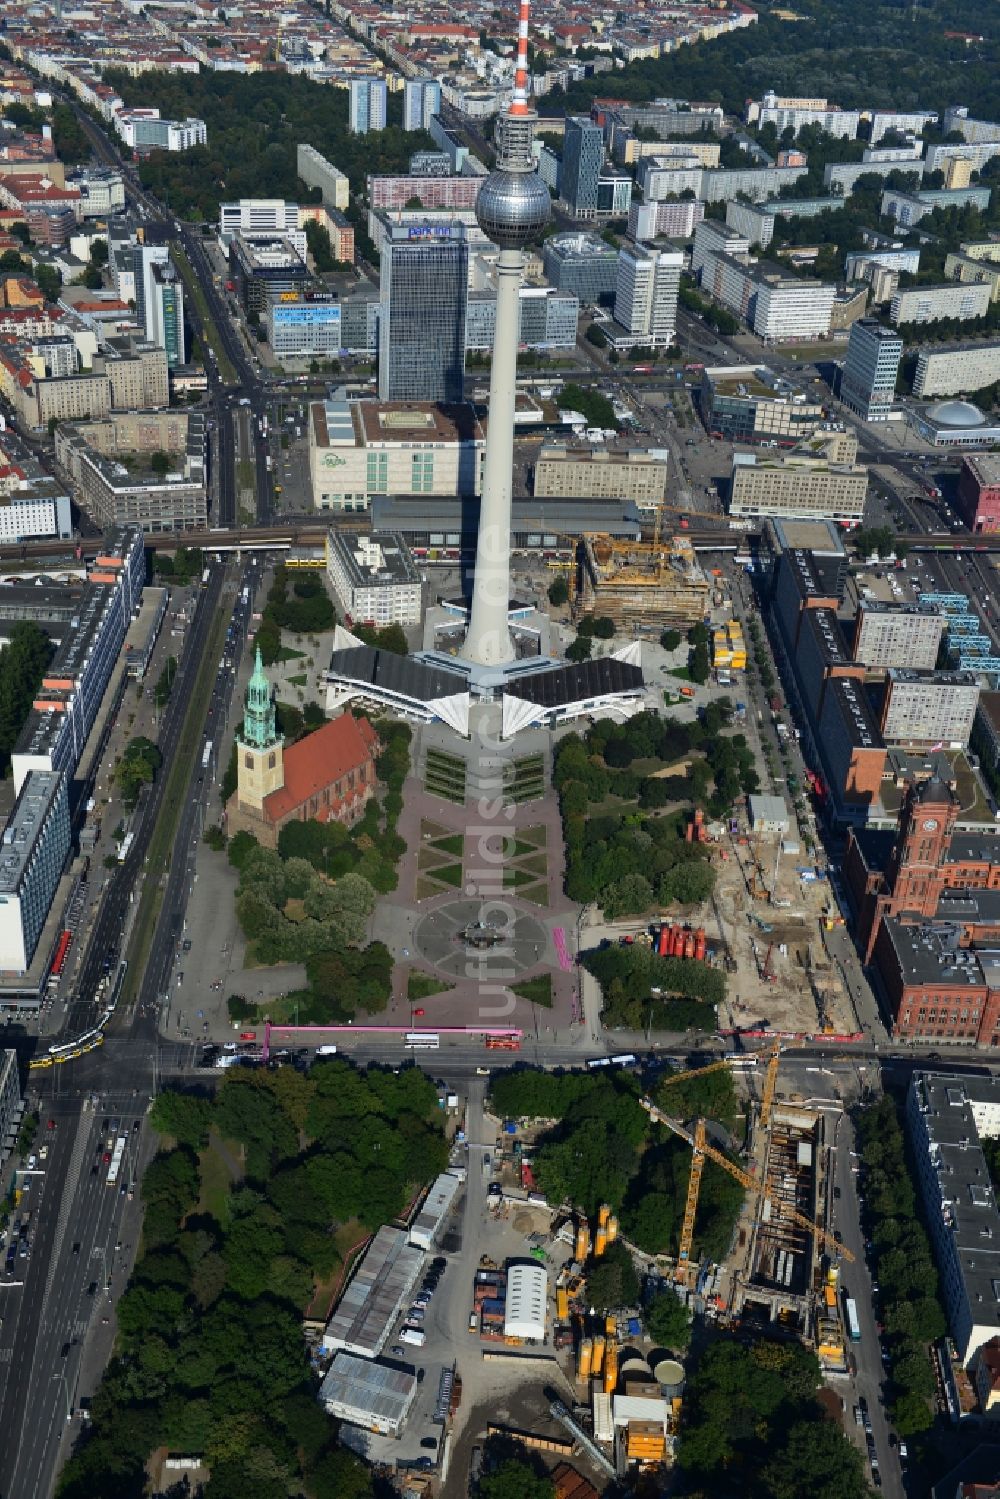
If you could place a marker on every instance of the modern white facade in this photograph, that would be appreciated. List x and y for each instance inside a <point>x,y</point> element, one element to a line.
<point>646,289</point>
<point>925,304</point>
<point>790,307</point>
<point>33,851</point>
<point>24,514</point>
<point>254,216</point>
<point>374,580</point>
<point>956,369</point>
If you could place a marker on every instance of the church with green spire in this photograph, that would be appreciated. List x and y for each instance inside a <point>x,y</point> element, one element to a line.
<point>259,746</point>
<point>329,775</point>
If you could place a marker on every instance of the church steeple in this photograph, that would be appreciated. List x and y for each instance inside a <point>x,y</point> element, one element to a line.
<point>259,727</point>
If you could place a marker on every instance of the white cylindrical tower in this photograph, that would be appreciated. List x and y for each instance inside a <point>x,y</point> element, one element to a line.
<point>513,206</point>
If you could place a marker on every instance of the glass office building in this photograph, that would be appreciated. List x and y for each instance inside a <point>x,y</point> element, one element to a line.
<point>424,286</point>
<point>583,157</point>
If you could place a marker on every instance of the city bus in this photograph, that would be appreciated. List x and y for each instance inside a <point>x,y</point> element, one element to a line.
<point>422,1041</point>
<point>117,1157</point>
<point>853,1325</point>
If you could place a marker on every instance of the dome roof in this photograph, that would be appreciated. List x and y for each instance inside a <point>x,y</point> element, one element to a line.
<point>956,414</point>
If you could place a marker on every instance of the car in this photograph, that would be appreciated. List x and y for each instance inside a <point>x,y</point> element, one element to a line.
<point>876,1477</point>
<point>419,1011</point>
<point>76,1247</point>
<point>106,1158</point>
<point>135,1127</point>
<point>439,1262</point>
<point>430,1442</point>
<point>32,1162</point>
<point>64,1350</point>
<point>398,1350</point>
<point>51,1124</point>
<point>836,1193</point>
<point>838,1236</point>
<point>902,1452</point>
<point>422,1299</point>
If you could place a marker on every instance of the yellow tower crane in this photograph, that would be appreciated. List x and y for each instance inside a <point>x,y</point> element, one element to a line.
<point>680,1077</point>
<point>770,1083</point>
<point>701,1147</point>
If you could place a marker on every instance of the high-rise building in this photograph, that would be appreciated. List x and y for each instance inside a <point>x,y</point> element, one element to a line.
<point>165,313</point>
<point>421,102</point>
<point>36,842</point>
<point>144,257</point>
<point>583,157</point>
<point>316,171</point>
<point>367,105</point>
<point>646,291</point>
<point>424,284</point>
<point>868,384</point>
<point>11,1106</point>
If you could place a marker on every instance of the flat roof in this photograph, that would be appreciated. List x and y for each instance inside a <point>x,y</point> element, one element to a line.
<point>363,1390</point>
<point>435,1208</point>
<point>420,512</point>
<point>409,422</point>
<point>24,826</point>
<point>819,536</point>
<point>985,469</point>
<point>765,808</point>
<point>402,675</point>
<point>379,559</point>
<point>574,684</point>
<point>368,1308</point>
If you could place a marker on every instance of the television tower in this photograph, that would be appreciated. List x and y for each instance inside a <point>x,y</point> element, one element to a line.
<point>512,207</point>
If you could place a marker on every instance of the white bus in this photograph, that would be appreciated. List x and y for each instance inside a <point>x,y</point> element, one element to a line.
<point>117,1157</point>
<point>421,1041</point>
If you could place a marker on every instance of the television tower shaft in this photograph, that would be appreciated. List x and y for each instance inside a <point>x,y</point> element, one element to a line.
<point>513,206</point>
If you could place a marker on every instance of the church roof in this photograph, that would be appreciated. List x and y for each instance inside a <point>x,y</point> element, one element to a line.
<point>320,759</point>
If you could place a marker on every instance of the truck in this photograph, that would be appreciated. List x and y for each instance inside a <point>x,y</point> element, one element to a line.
<point>414,1335</point>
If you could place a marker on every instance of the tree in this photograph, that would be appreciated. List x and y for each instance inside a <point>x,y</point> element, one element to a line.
<point>670,639</point>
<point>669,1321</point>
<point>184,1116</point>
<point>160,463</point>
<point>611,1281</point>
<point>558,592</point>
<point>49,280</point>
<point>580,648</point>
<point>515,1478</point>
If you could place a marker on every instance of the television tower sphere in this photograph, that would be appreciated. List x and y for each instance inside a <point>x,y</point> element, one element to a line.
<point>513,207</point>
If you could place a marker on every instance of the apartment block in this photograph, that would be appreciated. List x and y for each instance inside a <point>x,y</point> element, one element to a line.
<point>430,192</point>
<point>888,635</point>
<point>665,176</point>
<point>562,472</point>
<point>649,221</point>
<point>11,1103</point>
<point>368,100</point>
<point>34,848</point>
<point>908,208</point>
<point>757,220</point>
<point>955,369</point>
<point>796,484</point>
<point>793,114</point>
<point>316,171</point>
<point>713,238</point>
<point>722,184</point>
<point>947,1119</point>
<point>113,496</point>
<point>920,709</point>
<point>925,304</point>
<point>646,289</point>
<point>909,122</point>
<point>840,176</point>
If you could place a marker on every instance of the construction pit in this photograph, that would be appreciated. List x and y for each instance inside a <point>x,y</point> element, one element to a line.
<point>772,914</point>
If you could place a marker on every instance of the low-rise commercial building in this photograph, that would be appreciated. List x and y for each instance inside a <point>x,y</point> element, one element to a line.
<point>524,1307</point>
<point>887,635</point>
<point>304,327</point>
<point>264,269</point>
<point>947,1119</point>
<point>925,304</point>
<point>979,492</point>
<point>956,369</point>
<point>359,449</point>
<point>270,218</point>
<point>562,472</point>
<point>34,847</point>
<point>377,1397</point>
<point>797,484</point>
<point>748,405</point>
<point>427,1227</point>
<point>374,578</point>
<point>367,1311</point>
<point>920,709</point>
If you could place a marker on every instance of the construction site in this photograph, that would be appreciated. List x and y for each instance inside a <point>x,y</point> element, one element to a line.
<point>644,587</point>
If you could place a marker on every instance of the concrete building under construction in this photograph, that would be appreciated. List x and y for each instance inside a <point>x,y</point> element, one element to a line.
<point>641,586</point>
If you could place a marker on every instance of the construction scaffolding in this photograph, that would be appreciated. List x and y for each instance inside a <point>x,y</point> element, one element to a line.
<point>641,585</point>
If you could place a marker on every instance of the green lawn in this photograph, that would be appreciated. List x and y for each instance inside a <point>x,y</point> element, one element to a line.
<point>454,845</point>
<point>300,680</point>
<point>423,985</point>
<point>537,990</point>
<point>216,1179</point>
<point>286,653</point>
<point>449,874</point>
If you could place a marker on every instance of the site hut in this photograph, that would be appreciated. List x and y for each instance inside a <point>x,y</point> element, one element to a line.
<point>372,1302</point>
<point>768,814</point>
<point>364,1393</point>
<point>524,1309</point>
<point>425,1230</point>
